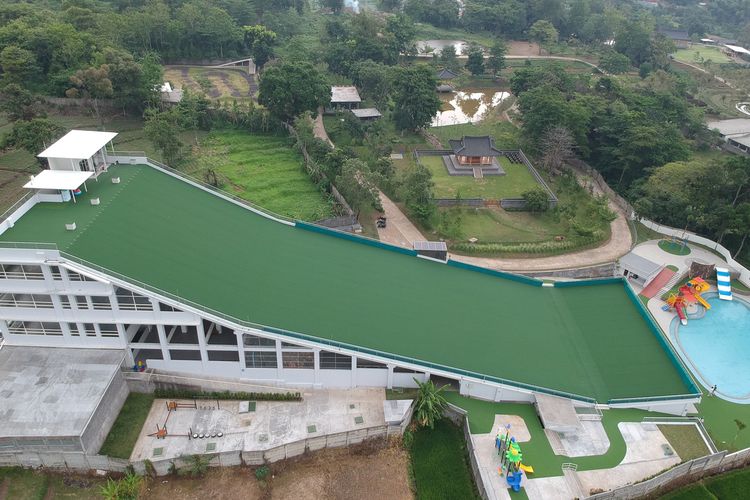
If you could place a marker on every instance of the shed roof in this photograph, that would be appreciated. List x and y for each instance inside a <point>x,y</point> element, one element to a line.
<point>738,49</point>
<point>345,94</point>
<point>446,74</point>
<point>78,145</point>
<point>366,113</point>
<point>639,265</point>
<point>475,146</point>
<point>674,34</point>
<point>734,126</point>
<point>58,179</point>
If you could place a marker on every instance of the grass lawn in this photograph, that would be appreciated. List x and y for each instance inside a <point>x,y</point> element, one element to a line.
<point>517,181</point>
<point>29,484</point>
<point>728,486</point>
<point>440,463</point>
<point>495,224</point>
<point>719,419</point>
<point>124,432</point>
<point>263,169</point>
<point>674,248</point>
<point>696,54</point>
<point>644,234</point>
<point>506,135</point>
<point>537,452</point>
<point>225,84</point>
<point>685,440</point>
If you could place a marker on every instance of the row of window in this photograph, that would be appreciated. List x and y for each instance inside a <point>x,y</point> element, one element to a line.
<point>37,301</point>
<point>306,360</point>
<point>55,329</point>
<point>130,302</point>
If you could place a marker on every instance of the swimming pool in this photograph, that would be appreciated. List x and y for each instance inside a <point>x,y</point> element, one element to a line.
<point>717,346</point>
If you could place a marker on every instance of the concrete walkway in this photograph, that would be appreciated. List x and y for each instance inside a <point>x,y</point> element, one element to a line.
<point>319,129</point>
<point>399,230</point>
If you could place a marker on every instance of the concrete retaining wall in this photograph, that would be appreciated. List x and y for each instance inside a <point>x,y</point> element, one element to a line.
<point>66,461</point>
<point>458,416</point>
<point>105,414</point>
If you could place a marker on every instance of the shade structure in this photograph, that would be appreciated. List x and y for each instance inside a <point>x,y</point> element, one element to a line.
<point>78,145</point>
<point>58,179</point>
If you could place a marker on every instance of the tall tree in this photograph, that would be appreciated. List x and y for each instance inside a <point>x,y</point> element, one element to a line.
<point>448,57</point>
<point>289,89</point>
<point>496,61</point>
<point>416,103</point>
<point>356,184</point>
<point>544,33</point>
<point>163,130</point>
<point>17,64</point>
<point>557,148</point>
<point>33,135</point>
<point>475,61</point>
<point>91,83</point>
<point>259,40</point>
<point>19,104</point>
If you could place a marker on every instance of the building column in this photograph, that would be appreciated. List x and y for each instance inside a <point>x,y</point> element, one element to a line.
<point>163,342</point>
<point>353,380</point>
<point>279,362</point>
<point>240,349</point>
<point>202,344</point>
<point>389,385</point>
<point>316,366</point>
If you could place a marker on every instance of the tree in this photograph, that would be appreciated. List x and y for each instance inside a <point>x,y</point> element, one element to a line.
<point>163,130</point>
<point>91,83</point>
<point>496,61</point>
<point>557,147</point>
<point>416,190</point>
<point>389,5</point>
<point>290,89</point>
<point>614,62</point>
<point>430,403</point>
<point>536,200</point>
<point>335,5</point>
<point>448,57</point>
<point>543,32</point>
<point>19,104</point>
<point>374,80</point>
<point>416,102</point>
<point>259,40</point>
<point>33,136</point>
<point>475,62</point>
<point>17,64</point>
<point>356,185</point>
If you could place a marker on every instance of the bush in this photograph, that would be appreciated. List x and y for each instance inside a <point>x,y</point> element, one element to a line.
<point>126,488</point>
<point>538,247</point>
<point>261,473</point>
<point>407,440</point>
<point>196,467</point>
<point>536,200</point>
<point>230,395</point>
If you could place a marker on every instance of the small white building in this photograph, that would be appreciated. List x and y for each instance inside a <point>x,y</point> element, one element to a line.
<point>735,131</point>
<point>637,269</point>
<point>79,151</point>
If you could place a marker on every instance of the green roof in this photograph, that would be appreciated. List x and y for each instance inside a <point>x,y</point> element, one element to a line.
<point>162,231</point>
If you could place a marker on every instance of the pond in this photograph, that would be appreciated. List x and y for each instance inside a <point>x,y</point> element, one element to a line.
<point>430,46</point>
<point>467,106</point>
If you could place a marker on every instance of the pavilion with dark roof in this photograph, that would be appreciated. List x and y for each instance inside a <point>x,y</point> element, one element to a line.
<point>471,150</point>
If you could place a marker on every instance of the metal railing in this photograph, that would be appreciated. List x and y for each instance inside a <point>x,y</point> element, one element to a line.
<point>26,197</point>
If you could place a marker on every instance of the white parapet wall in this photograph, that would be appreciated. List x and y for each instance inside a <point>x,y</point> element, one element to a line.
<point>744,273</point>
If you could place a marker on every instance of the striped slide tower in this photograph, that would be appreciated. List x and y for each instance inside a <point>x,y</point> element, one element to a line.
<point>723,283</point>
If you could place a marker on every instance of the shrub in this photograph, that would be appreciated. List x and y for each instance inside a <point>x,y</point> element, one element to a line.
<point>126,488</point>
<point>536,200</point>
<point>261,473</point>
<point>196,467</point>
<point>229,395</point>
<point>407,440</point>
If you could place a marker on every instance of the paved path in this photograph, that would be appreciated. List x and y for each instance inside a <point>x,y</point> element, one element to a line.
<point>319,130</point>
<point>399,230</point>
<point>657,283</point>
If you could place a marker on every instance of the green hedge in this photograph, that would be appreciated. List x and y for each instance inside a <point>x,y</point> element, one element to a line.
<point>243,396</point>
<point>538,247</point>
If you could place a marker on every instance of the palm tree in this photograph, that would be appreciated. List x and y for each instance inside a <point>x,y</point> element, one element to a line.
<point>430,403</point>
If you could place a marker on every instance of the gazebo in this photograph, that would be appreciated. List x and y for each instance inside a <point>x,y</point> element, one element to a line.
<point>474,150</point>
<point>79,151</point>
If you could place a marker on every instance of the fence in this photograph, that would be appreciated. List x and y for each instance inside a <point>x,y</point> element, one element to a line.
<point>68,461</point>
<point>459,417</point>
<point>313,171</point>
<point>599,181</point>
<point>506,203</point>
<point>680,475</point>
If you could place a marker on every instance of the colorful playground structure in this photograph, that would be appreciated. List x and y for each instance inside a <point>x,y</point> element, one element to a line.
<point>510,459</point>
<point>689,293</point>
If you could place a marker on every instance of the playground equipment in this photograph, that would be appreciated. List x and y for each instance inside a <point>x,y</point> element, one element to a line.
<point>677,302</point>
<point>697,286</point>
<point>510,459</point>
<point>526,468</point>
<point>723,283</point>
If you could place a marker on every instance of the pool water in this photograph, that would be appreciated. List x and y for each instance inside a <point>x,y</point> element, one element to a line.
<point>718,346</point>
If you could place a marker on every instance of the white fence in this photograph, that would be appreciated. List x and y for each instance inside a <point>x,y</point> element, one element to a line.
<point>686,235</point>
<point>680,475</point>
<point>65,461</point>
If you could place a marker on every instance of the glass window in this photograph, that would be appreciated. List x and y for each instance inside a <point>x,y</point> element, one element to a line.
<point>34,328</point>
<point>298,360</point>
<point>255,341</point>
<point>37,301</point>
<point>108,330</point>
<point>366,363</point>
<point>73,329</point>
<point>81,302</point>
<point>130,301</point>
<point>335,361</point>
<point>260,359</point>
<point>65,302</point>
<point>56,274</point>
<point>101,302</point>
<point>89,330</point>
<point>21,272</point>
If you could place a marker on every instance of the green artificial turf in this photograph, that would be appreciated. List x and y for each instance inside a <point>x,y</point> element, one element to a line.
<point>719,420</point>
<point>124,432</point>
<point>587,340</point>
<point>439,463</point>
<point>537,452</point>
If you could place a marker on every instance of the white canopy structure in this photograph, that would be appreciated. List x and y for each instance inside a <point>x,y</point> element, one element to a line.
<point>60,180</point>
<point>79,150</point>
